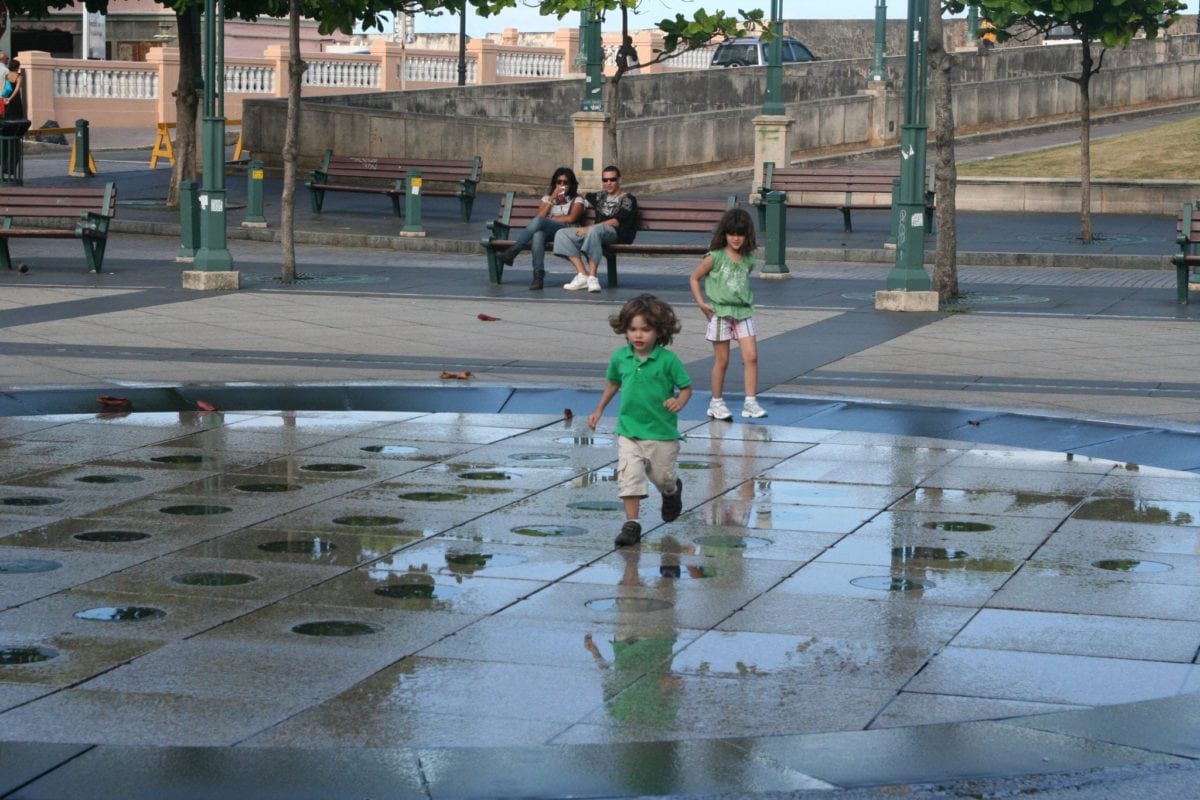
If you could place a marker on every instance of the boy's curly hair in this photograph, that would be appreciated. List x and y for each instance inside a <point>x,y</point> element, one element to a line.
<point>658,314</point>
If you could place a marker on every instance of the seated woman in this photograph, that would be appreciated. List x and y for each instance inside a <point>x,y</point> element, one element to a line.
<point>561,206</point>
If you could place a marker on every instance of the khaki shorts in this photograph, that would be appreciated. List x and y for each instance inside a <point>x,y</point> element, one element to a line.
<point>642,460</point>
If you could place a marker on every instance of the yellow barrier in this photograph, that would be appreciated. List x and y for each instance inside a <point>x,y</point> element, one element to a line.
<point>163,148</point>
<point>35,132</point>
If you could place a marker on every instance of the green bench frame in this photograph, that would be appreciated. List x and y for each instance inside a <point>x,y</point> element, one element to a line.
<point>673,216</point>
<point>91,209</point>
<point>1188,239</point>
<point>387,176</point>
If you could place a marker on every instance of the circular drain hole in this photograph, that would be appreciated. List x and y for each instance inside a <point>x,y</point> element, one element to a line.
<point>110,479</point>
<point>15,656</point>
<point>632,605</point>
<point>333,467</point>
<point>335,627</point>
<point>433,497</point>
<point>586,441</point>
<point>728,542</point>
<point>549,530</point>
<point>197,510</point>
<point>214,578</point>
<point>1131,565</point>
<point>695,465</point>
<point>266,487</point>
<point>185,458</point>
<point>959,526</point>
<point>308,547</point>
<point>367,520</point>
<point>390,449</point>
<point>596,505</point>
<point>111,537</point>
<point>468,563</point>
<point>486,475</point>
<point>31,501</point>
<point>927,553</point>
<point>537,457</point>
<point>27,565</point>
<point>120,613</point>
<point>891,583</point>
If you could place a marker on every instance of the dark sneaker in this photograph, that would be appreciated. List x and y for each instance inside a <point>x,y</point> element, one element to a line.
<point>631,534</point>
<point>673,503</point>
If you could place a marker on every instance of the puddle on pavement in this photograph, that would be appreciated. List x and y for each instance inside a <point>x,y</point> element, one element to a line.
<point>15,656</point>
<point>111,537</point>
<point>486,475</point>
<point>214,578</point>
<point>470,563</point>
<point>585,441</point>
<point>1120,509</point>
<point>724,544</point>
<point>628,605</point>
<point>390,449</point>
<point>416,586</point>
<point>596,505</point>
<point>333,467</point>
<point>120,613</point>
<point>536,457</point>
<point>24,565</point>
<point>110,479</point>
<point>30,501</point>
<point>959,526</point>
<point>549,530</point>
<point>335,627</point>
<point>307,547</point>
<point>367,520</point>
<point>1131,565</point>
<point>266,487</point>
<point>433,497</point>
<point>195,510</point>
<point>892,583</point>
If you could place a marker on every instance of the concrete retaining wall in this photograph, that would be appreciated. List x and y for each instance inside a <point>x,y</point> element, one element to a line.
<point>1055,195</point>
<point>690,122</point>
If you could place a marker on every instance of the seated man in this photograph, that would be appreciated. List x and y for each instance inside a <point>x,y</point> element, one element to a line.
<point>616,221</point>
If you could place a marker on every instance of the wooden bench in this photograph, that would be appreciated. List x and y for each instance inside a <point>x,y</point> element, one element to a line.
<point>90,208</point>
<point>372,175</point>
<point>1188,238</point>
<point>843,189</point>
<point>699,217</point>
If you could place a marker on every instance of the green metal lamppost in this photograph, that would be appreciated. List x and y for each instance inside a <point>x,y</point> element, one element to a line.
<point>878,68</point>
<point>213,254</point>
<point>973,22</point>
<point>909,273</point>
<point>589,42</point>
<point>773,103</point>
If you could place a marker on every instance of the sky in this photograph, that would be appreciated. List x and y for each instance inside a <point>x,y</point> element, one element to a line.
<point>526,17</point>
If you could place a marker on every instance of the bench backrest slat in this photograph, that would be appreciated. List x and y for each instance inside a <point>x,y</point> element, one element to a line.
<point>683,216</point>
<point>18,201</point>
<point>380,168</point>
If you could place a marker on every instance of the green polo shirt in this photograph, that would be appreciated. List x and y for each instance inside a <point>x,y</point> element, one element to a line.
<point>644,387</point>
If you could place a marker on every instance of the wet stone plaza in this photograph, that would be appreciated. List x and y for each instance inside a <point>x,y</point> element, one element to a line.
<point>279,582</point>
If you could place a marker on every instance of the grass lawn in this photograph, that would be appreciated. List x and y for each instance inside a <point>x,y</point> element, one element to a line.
<point>1168,151</point>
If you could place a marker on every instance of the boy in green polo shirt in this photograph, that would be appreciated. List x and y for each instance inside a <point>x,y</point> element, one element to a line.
<point>647,375</point>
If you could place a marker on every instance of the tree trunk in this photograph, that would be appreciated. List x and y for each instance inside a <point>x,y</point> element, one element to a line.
<point>291,142</point>
<point>612,108</point>
<point>187,100</point>
<point>941,63</point>
<point>1085,142</point>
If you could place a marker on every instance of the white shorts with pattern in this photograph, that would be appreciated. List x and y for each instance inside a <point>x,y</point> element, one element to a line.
<point>723,329</point>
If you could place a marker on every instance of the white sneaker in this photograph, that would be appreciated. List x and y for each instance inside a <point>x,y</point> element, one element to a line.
<point>753,410</point>
<point>593,284</point>
<point>580,281</point>
<point>718,410</point>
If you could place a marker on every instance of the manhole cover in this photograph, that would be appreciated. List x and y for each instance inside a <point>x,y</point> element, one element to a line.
<point>333,467</point>
<point>596,505</point>
<point>1131,565</point>
<point>433,497</point>
<point>109,537</point>
<point>182,458</point>
<point>120,613</point>
<point>30,501</point>
<point>367,520</point>
<point>537,457</point>
<point>196,510</point>
<point>214,579</point>
<point>335,627</point>
<point>266,487</point>
<point>110,479</point>
<point>22,565</point>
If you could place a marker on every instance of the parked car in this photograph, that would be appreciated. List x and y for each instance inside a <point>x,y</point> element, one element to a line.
<point>755,53</point>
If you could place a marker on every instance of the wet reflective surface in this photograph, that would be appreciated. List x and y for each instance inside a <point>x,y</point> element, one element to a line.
<point>449,580</point>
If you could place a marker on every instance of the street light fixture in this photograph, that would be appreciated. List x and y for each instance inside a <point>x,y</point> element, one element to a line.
<point>909,273</point>
<point>213,254</point>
